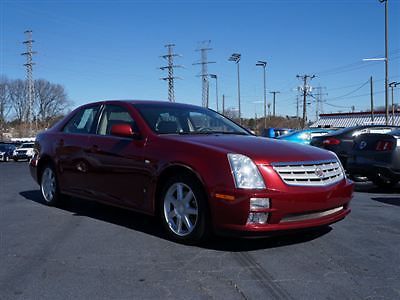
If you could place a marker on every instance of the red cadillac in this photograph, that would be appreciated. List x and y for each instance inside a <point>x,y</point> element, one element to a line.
<point>192,167</point>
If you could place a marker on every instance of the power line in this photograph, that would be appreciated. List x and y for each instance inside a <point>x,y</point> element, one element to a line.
<point>170,67</point>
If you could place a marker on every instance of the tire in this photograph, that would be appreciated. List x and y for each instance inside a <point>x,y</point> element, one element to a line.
<point>15,159</point>
<point>49,186</point>
<point>384,183</point>
<point>184,210</point>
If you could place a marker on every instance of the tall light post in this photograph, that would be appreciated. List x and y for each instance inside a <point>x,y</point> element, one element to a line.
<point>392,85</point>
<point>386,63</point>
<point>216,88</point>
<point>386,89</point>
<point>235,57</point>
<point>263,64</point>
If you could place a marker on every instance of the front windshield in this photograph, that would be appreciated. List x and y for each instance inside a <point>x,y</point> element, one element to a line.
<point>170,119</point>
<point>3,148</point>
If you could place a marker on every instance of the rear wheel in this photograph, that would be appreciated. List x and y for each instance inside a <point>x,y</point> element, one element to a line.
<point>184,210</point>
<point>49,186</point>
<point>384,183</point>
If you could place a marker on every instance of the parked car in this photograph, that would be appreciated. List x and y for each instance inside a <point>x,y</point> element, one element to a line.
<point>274,132</point>
<point>377,157</point>
<point>6,151</point>
<point>190,166</point>
<point>304,136</point>
<point>341,141</point>
<point>25,151</point>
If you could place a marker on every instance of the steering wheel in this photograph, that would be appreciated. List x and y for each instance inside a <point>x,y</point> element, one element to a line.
<point>204,129</point>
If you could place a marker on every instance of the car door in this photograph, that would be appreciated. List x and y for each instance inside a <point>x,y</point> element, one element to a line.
<point>120,169</point>
<point>71,148</point>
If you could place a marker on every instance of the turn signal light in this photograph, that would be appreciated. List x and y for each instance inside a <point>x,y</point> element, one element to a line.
<point>384,146</point>
<point>331,141</point>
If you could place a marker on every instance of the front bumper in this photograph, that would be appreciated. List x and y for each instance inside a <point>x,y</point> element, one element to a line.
<point>291,208</point>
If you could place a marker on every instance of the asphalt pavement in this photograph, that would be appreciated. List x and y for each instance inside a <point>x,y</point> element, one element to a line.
<point>86,250</point>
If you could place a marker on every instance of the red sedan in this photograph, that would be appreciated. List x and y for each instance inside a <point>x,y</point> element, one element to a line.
<point>195,169</point>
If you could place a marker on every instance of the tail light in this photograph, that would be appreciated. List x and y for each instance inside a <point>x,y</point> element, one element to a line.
<point>384,145</point>
<point>331,141</point>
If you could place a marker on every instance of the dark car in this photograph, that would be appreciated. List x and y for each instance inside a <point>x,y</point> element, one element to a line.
<point>6,151</point>
<point>190,166</point>
<point>377,157</point>
<point>341,141</point>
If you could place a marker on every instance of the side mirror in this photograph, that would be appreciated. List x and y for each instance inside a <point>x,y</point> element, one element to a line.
<point>123,130</point>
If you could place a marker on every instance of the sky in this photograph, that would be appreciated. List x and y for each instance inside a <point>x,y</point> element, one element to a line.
<point>108,49</point>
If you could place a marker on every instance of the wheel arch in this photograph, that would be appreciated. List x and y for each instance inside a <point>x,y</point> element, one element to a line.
<point>43,161</point>
<point>172,171</point>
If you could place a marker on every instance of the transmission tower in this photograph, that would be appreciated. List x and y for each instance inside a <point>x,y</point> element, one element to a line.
<point>204,71</point>
<point>305,89</point>
<point>318,100</point>
<point>170,67</point>
<point>30,89</point>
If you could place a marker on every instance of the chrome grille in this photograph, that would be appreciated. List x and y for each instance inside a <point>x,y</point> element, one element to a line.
<point>316,173</point>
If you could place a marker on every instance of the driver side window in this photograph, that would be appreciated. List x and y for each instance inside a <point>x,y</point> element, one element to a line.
<point>114,114</point>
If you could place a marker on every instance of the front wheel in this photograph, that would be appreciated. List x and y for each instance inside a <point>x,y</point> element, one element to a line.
<point>184,210</point>
<point>49,186</point>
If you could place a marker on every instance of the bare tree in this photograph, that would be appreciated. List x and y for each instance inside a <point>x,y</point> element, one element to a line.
<point>51,100</point>
<point>18,99</point>
<point>5,105</point>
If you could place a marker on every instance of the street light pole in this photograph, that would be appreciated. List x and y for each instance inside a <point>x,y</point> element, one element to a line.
<point>386,63</point>
<point>264,64</point>
<point>235,57</point>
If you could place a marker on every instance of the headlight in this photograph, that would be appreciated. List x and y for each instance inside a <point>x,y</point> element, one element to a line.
<point>245,173</point>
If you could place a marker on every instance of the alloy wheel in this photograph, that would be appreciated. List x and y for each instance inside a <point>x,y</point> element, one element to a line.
<point>48,185</point>
<point>181,209</point>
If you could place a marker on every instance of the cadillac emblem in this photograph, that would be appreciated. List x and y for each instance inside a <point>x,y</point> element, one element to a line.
<point>318,171</point>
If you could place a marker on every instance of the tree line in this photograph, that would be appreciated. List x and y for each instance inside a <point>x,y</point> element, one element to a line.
<point>50,103</point>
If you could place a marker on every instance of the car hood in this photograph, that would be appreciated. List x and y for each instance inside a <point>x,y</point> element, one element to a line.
<point>261,150</point>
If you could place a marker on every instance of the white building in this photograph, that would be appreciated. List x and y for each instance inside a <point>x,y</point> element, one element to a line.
<point>356,118</point>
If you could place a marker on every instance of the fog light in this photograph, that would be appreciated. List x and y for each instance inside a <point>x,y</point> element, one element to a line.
<point>257,218</point>
<point>259,203</point>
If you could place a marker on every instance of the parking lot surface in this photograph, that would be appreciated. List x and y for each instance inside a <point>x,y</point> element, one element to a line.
<point>85,250</point>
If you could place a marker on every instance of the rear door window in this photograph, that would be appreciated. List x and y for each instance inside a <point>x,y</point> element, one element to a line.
<point>83,121</point>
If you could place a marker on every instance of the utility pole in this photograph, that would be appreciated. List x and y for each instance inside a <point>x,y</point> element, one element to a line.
<point>372,98</point>
<point>235,57</point>
<point>305,93</point>
<point>30,88</point>
<point>392,85</point>
<point>170,67</point>
<point>263,64</point>
<point>214,76</point>
<point>273,101</point>
<point>204,71</point>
